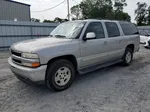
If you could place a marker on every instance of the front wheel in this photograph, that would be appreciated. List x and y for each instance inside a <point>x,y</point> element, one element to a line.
<point>128,56</point>
<point>60,75</point>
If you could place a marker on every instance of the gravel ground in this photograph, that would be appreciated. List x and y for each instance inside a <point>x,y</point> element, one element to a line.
<point>112,89</point>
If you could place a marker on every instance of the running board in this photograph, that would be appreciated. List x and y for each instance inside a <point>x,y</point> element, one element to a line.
<point>98,66</point>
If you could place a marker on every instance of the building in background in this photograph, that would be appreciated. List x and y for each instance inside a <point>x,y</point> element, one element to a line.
<point>16,11</point>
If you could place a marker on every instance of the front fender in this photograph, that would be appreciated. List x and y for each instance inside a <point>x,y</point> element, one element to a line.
<point>49,53</point>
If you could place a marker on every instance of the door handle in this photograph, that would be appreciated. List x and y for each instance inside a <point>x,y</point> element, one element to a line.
<point>119,41</point>
<point>105,43</point>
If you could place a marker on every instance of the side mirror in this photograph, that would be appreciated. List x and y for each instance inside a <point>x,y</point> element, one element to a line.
<point>90,35</point>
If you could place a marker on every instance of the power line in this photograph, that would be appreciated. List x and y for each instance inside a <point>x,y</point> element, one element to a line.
<point>76,1</point>
<point>68,8</point>
<point>64,5</point>
<point>50,8</point>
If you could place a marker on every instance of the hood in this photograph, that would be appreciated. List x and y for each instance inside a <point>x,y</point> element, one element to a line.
<point>30,45</point>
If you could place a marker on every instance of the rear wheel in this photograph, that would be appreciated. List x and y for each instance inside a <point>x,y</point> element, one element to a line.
<point>128,56</point>
<point>60,75</point>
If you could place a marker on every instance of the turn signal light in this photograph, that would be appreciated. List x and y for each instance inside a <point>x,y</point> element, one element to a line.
<point>37,64</point>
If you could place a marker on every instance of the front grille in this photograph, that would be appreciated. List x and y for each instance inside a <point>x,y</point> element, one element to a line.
<point>19,60</point>
<point>15,53</point>
<point>16,61</point>
<point>16,57</point>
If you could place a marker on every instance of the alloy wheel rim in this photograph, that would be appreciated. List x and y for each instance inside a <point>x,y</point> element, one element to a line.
<point>128,57</point>
<point>62,76</point>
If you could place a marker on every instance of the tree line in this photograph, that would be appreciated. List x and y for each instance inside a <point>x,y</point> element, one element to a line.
<point>106,9</point>
<point>56,20</point>
<point>101,9</point>
<point>142,14</point>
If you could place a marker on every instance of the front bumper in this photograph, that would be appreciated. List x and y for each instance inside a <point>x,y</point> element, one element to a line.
<point>147,45</point>
<point>32,74</point>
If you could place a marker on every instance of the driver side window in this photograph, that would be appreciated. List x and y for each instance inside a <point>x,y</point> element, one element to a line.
<point>97,28</point>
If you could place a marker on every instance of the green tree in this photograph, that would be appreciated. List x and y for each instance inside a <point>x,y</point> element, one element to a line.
<point>95,8</point>
<point>118,10</point>
<point>148,17</point>
<point>119,5</point>
<point>122,16</point>
<point>59,20</point>
<point>101,9</point>
<point>35,20</point>
<point>76,12</point>
<point>48,21</point>
<point>141,13</point>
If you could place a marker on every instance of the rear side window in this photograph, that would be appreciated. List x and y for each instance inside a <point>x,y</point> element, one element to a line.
<point>112,29</point>
<point>129,28</point>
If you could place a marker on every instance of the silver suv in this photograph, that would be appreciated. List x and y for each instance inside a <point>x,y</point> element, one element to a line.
<point>74,47</point>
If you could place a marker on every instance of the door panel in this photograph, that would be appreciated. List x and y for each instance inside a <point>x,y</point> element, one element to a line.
<point>116,47</point>
<point>115,41</point>
<point>94,51</point>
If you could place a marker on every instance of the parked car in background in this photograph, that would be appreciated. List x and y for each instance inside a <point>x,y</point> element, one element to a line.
<point>76,46</point>
<point>145,39</point>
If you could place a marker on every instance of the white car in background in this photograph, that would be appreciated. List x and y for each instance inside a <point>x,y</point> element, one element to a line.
<point>145,39</point>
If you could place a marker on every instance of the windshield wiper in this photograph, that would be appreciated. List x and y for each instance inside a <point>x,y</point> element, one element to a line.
<point>61,36</point>
<point>51,35</point>
<point>136,33</point>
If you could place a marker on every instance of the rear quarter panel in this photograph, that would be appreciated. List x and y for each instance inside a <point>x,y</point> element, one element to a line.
<point>130,39</point>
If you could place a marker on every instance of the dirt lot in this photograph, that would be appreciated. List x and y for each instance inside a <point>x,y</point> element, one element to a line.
<point>113,89</point>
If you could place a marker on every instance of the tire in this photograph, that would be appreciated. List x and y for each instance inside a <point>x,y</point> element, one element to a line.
<point>60,75</point>
<point>128,56</point>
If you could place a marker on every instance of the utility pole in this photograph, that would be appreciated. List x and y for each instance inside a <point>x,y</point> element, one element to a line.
<point>68,10</point>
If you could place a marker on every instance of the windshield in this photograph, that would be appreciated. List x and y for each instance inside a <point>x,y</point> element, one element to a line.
<point>69,30</point>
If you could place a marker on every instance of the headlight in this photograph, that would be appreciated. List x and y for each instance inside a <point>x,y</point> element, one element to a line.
<point>29,55</point>
<point>33,64</point>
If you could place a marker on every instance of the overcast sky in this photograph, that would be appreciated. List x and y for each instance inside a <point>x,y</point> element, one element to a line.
<point>61,11</point>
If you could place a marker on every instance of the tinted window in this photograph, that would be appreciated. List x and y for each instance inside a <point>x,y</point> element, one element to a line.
<point>112,29</point>
<point>128,28</point>
<point>97,28</point>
